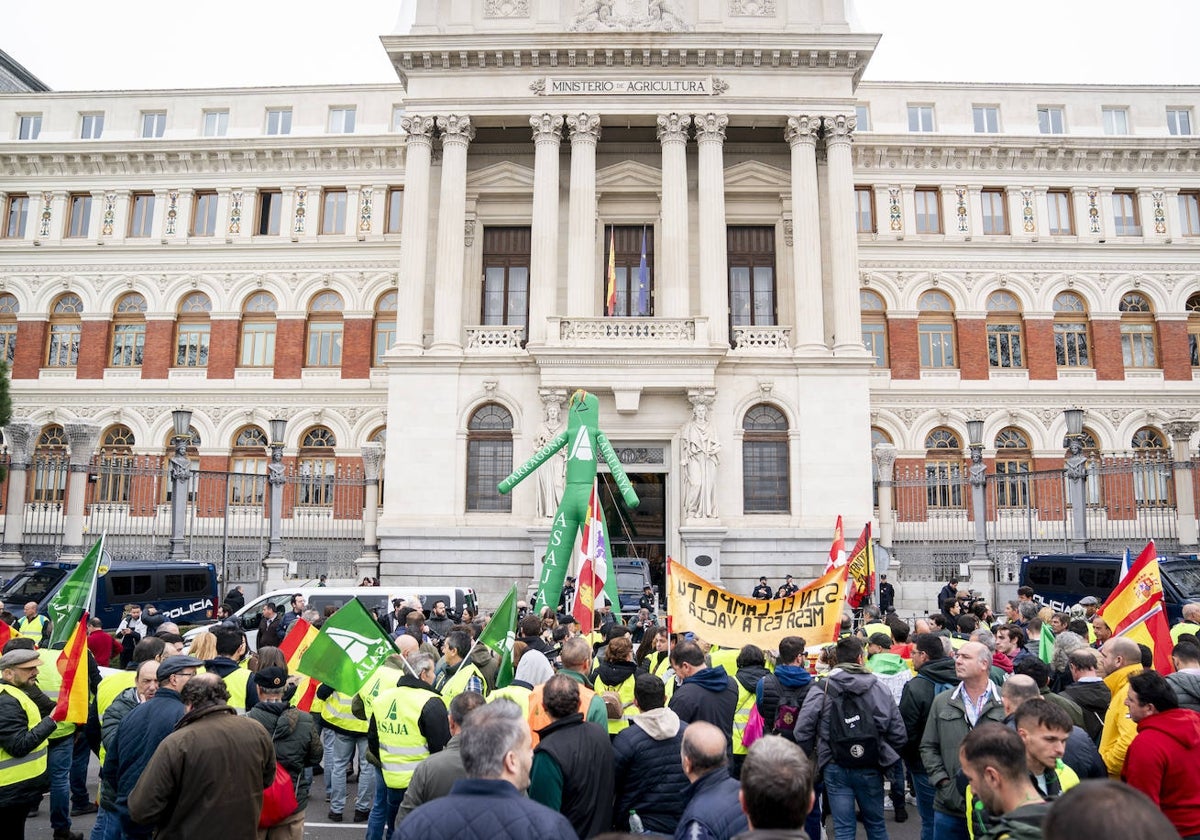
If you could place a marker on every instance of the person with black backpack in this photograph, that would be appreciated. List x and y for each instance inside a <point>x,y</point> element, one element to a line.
<point>857,730</point>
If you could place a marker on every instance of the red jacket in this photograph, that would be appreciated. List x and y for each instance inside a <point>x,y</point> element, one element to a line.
<point>102,646</point>
<point>1157,764</point>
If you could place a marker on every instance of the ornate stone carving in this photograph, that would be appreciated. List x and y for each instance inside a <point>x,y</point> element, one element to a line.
<point>538,86</point>
<point>301,210</point>
<point>719,85</point>
<point>752,8</point>
<point>547,128</point>
<point>456,129</point>
<point>468,232</point>
<point>506,8</point>
<point>672,128</point>
<point>1180,430</point>
<point>629,15</point>
<point>884,455</point>
<point>110,213</point>
<point>21,438</point>
<point>699,455</point>
<point>960,209</point>
<point>584,128</point>
<point>710,128</point>
<point>235,212</point>
<point>372,460</point>
<point>802,129</point>
<point>417,127</point>
<point>838,128</point>
<point>788,232</point>
<point>1027,221</point>
<point>895,217</point>
<point>1093,210</point>
<point>552,476</point>
<point>172,212</point>
<point>47,205</point>
<point>1160,214</point>
<point>366,200</point>
<point>81,437</point>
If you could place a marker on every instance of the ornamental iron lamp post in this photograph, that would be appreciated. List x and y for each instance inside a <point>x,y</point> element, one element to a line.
<point>181,474</point>
<point>275,563</point>
<point>1075,466</point>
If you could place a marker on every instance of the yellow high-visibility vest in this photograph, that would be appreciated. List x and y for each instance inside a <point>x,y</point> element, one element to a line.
<point>401,745</point>
<point>236,682</point>
<point>741,717</point>
<point>385,677</point>
<point>457,684</point>
<point>625,692</point>
<point>15,769</point>
<point>337,711</point>
<point>49,680</point>
<point>31,628</point>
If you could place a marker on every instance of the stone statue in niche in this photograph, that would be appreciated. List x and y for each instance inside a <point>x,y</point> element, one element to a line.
<point>550,479</point>
<point>700,450</point>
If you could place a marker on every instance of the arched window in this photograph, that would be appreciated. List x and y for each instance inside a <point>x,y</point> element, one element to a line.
<point>128,331</point>
<point>1138,342</point>
<point>1071,330</point>
<point>325,330</point>
<point>385,326</point>
<point>943,469</point>
<point>1004,330</point>
<point>258,331</point>
<point>193,453</point>
<point>116,465</point>
<point>1013,461</point>
<point>192,327</point>
<point>248,466</point>
<point>878,435</point>
<point>766,467</point>
<point>63,350</point>
<point>489,458</point>
<point>1193,311</point>
<point>874,325</point>
<point>50,463</point>
<point>935,330</point>
<point>317,468</point>
<point>8,327</point>
<point>1151,468</point>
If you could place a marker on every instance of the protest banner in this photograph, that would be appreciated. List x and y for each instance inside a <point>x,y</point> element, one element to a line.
<point>721,617</point>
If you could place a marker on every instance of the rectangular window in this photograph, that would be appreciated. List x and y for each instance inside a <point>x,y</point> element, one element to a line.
<point>64,345</point>
<point>1004,345</point>
<point>216,123</point>
<point>630,288</point>
<point>1179,121</point>
<point>8,342</point>
<point>16,217</point>
<point>943,484</point>
<point>1012,483</point>
<point>398,112</point>
<point>995,220</point>
<point>1152,483</point>
<point>154,124</point>
<point>141,215</point>
<point>1125,215</point>
<point>395,206</point>
<point>489,460</point>
<point>247,480</point>
<point>751,276</point>
<point>937,345</point>
<point>333,212</point>
<point>920,118</point>
<point>279,121</point>
<point>192,344</point>
<point>986,118</point>
<point>1193,341</point>
<point>50,478</point>
<point>29,126</point>
<point>1058,208</point>
<point>80,207</point>
<point>341,120</point>
<point>928,203</point>
<point>862,118</point>
<point>128,342</point>
<point>1115,120</point>
<point>506,261</point>
<point>765,477</point>
<point>204,220</point>
<point>91,126</point>
<point>316,482</point>
<point>1071,343</point>
<point>1050,120</point>
<point>258,344</point>
<point>875,340</point>
<point>270,211</point>
<point>1189,213</point>
<point>324,344</point>
<point>1137,346</point>
<point>385,337</point>
<point>864,209</point>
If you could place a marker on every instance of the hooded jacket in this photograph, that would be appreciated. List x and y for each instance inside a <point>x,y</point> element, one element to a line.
<point>614,674</point>
<point>1093,697</point>
<point>812,727</point>
<point>649,772</point>
<point>1187,688</point>
<point>767,691</point>
<point>1001,661</point>
<point>892,671</point>
<point>709,695</point>
<point>1119,730</point>
<point>1161,764</point>
<point>916,701</point>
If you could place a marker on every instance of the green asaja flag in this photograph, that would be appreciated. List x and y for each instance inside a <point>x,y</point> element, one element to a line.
<point>73,597</point>
<point>1046,644</point>
<point>350,646</point>
<point>500,634</point>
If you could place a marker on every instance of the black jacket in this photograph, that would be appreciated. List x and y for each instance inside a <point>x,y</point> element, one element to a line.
<point>18,740</point>
<point>709,695</point>
<point>1093,697</point>
<point>917,700</point>
<point>713,803</point>
<point>649,772</point>
<point>584,756</point>
<point>484,809</point>
<point>270,632</point>
<point>614,674</point>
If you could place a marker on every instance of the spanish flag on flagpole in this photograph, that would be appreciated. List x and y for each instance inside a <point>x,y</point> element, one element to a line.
<point>610,291</point>
<point>837,550</point>
<point>1135,609</point>
<point>72,705</point>
<point>593,574</point>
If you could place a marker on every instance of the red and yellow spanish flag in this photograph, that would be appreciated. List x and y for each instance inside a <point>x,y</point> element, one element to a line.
<point>610,292</point>
<point>296,642</point>
<point>5,634</point>
<point>593,574</point>
<point>1135,609</point>
<point>862,569</point>
<point>72,706</point>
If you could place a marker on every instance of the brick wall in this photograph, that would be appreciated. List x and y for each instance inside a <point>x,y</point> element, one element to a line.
<point>158,353</point>
<point>972,348</point>
<point>1106,350</point>
<point>289,348</point>
<point>93,349</point>
<point>1039,343</point>
<point>904,356</point>
<point>1176,354</point>
<point>356,348</point>
<point>31,347</point>
<point>222,349</point>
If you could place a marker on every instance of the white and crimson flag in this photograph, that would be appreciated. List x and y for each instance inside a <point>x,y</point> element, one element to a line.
<point>837,551</point>
<point>593,574</point>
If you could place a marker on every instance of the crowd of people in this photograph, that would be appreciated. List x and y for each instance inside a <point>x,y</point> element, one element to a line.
<point>627,730</point>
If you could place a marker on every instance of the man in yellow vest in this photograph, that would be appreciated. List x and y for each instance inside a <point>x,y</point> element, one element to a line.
<point>461,674</point>
<point>61,749</point>
<point>231,647</point>
<point>33,626</point>
<point>349,739</point>
<point>387,676</point>
<point>24,729</point>
<point>409,723</point>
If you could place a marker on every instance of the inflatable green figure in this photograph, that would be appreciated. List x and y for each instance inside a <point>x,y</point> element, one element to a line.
<point>585,439</point>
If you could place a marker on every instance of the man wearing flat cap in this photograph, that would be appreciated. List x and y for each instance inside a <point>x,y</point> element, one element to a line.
<point>23,734</point>
<point>141,731</point>
<point>297,743</point>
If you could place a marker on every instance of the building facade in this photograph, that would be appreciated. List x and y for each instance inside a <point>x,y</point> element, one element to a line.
<point>761,265</point>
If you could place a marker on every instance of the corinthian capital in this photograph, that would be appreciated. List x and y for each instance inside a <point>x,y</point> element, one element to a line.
<point>417,127</point>
<point>584,128</point>
<point>372,459</point>
<point>82,437</point>
<point>710,128</point>
<point>547,128</point>
<point>838,128</point>
<point>673,128</point>
<point>456,129</point>
<point>21,439</point>
<point>802,129</point>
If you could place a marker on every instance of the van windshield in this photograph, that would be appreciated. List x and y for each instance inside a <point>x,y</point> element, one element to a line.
<point>29,586</point>
<point>630,581</point>
<point>1186,576</point>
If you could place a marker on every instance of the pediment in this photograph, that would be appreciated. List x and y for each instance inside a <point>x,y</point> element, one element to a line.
<point>501,177</point>
<point>755,176</point>
<point>629,175</point>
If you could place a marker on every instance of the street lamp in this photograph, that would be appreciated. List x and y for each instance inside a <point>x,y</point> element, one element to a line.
<point>276,479</point>
<point>181,474</point>
<point>975,433</point>
<point>181,419</point>
<point>278,429</point>
<point>1074,421</point>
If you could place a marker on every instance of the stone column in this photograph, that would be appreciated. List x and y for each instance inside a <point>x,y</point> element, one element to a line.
<point>414,233</point>
<point>367,565</point>
<point>671,296</point>
<point>884,455</point>
<point>275,563</point>
<point>983,571</point>
<point>457,133</point>
<point>82,437</point>
<point>1075,464</point>
<point>543,271</point>
<point>581,216</point>
<point>809,316</point>
<point>1181,432</point>
<point>714,259</point>
<point>21,438</point>
<point>843,238</point>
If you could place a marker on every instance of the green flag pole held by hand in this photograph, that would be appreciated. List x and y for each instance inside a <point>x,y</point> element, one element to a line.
<point>585,439</point>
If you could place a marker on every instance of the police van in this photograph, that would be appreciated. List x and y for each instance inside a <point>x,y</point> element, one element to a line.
<point>1062,580</point>
<point>182,591</point>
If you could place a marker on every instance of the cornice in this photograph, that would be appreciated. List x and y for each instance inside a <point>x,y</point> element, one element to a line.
<point>1039,266</point>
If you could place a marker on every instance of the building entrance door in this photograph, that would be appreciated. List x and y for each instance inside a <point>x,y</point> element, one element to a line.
<point>642,531</point>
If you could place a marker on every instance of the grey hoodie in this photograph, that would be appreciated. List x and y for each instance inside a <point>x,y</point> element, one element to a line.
<point>812,727</point>
<point>1187,688</point>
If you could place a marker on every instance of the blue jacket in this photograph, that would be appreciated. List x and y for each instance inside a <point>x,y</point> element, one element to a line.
<point>484,809</point>
<point>713,811</point>
<point>139,734</point>
<point>709,695</point>
<point>649,772</point>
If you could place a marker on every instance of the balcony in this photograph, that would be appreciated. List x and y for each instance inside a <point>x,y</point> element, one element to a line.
<point>494,339</point>
<point>762,339</point>
<point>630,333</point>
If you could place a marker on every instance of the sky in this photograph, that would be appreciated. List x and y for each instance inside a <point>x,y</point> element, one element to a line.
<point>139,44</point>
